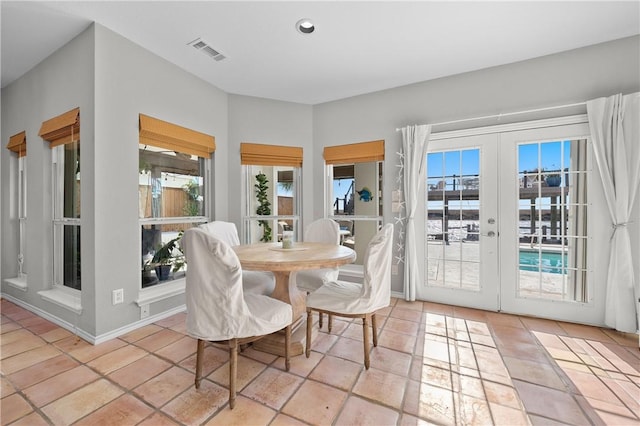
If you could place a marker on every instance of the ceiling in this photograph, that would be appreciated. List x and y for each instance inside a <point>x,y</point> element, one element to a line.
<point>358,47</point>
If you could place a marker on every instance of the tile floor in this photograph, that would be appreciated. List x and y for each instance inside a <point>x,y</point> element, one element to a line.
<point>434,364</point>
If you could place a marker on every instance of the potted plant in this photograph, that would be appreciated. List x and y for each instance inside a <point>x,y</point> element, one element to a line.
<point>264,207</point>
<point>164,258</point>
<point>552,178</point>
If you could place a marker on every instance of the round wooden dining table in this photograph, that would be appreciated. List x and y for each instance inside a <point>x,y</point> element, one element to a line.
<point>282,262</point>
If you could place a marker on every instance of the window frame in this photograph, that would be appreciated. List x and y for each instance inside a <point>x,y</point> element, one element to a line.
<point>248,182</point>
<point>59,221</point>
<point>207,181</point>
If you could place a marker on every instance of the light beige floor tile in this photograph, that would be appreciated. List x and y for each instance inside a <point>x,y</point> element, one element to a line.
<point>390,394</point>
<point>315,403</point>
<point>141,333</point>
<point>337,372</point>
<point>81,402</point>
<point>359,411</point>
<point>125,410</point>
<point>246,412</point>
<point>164,387</point>
<point>117,359</point>
<point>159,340</point>
<point>508,415</point>
<point>194,406</point>
<point>6,388</point>
<point>139,371</point>
<point>53,388</point>
<point>273,387</point>
<point>33,419</point>
<point>247,370</point>
<point>552,403</point>
<point>14,407</point>
<point>43,370</point>
<point>430,403</point>
<point>179,350</point>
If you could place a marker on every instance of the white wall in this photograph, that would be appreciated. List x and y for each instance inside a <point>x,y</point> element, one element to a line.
<point>564,78</point>
<point>103,71</point>
<point>58,84</point>
<point>270,122</point>
<point>131,80</point>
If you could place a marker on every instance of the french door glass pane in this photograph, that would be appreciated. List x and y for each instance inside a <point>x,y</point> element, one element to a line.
<point>552,220</point>
<point>453,214</point>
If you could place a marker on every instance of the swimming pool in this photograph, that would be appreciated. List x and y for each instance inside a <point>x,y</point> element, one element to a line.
<point>546,261</point>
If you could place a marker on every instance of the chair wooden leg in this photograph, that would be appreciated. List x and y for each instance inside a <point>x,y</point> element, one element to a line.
<point>365,337</point>
<point>374,328</point>
<point>199,353</point>
<point>307,350</point>
<point>287,346</point>
<point>329,322</point>
<point>233,370</point>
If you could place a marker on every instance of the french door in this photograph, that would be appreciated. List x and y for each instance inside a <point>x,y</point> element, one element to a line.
<point>505,222</point>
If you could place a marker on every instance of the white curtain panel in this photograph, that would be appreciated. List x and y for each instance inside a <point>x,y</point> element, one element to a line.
<point>414,146</point>
<point>614,123</point>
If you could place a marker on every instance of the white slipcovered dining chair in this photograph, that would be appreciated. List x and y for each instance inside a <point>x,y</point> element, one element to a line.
<point>319,231</point>
<point>218,310</point>
<point>256,282</point>
<point>352,300</point>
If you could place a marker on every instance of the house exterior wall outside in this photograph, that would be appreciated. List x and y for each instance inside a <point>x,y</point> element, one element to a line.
<point>564,78</point>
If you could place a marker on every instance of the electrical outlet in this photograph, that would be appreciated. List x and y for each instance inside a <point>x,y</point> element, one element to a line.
<point>117,296</point>
<point>144,311</point>
<point>394,269</point>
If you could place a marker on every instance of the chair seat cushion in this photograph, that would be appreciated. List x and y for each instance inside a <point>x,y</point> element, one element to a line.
<point>312,280</point>
<point>258,282</point>
<point>343,297</point>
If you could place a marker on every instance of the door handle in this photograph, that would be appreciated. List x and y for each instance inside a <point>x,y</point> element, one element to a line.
<point>489,234</point>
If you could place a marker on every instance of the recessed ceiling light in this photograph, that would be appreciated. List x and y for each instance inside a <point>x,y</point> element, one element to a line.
<point>305,26</point>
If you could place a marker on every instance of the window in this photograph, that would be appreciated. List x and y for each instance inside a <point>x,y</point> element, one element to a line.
<point>18,144</point>
<point>174,170</point>
<point>63,133</point>
<point>354,192</point>
<point>272,177</point>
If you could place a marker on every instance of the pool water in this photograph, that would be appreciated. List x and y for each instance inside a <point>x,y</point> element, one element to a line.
<point>551,262</point>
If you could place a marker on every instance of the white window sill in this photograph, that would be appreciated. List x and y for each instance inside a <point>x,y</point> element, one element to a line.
<point>18,282</point>
<point>63,299</point>
<point>160,292</point>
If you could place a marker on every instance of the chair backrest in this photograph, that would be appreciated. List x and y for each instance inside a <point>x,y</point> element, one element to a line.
<point>215,300</point>
<point>377,268</point>
<point>323,231</point>
<point>225,231</point>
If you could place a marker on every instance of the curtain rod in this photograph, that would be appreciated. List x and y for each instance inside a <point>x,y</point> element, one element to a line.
<point>506,114</point>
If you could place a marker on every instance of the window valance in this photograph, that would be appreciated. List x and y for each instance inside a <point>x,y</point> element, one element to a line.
<point>18,144</point>
<point>270,155</point>
<point>362,152</point>
<point>62,129</point>
<point>170,136</point>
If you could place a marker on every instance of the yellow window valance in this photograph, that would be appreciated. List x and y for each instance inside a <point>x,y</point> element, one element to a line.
<point>18,144</point>
<point>170,136</point>
<point>362,152</point>
<point>270,155</point>
<point>62,129</point>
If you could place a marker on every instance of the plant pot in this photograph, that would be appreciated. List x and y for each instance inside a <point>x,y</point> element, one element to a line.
<point>163,271</point>
<point>553,180</point>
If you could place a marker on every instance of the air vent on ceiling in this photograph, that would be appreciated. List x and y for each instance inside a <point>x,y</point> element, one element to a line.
<point>204,47</point>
